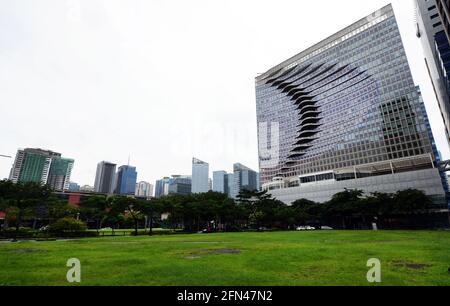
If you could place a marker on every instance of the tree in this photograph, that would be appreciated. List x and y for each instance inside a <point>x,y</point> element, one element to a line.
<point>131,208</point>
<point>95,208</point>
<point>411,201</point>
<point>68,224</point>
<point>23,199</point>
<point>262,209</point>
<point>304,211</point>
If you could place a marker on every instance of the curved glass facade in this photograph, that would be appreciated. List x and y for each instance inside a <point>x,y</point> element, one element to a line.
<point>343,105</point>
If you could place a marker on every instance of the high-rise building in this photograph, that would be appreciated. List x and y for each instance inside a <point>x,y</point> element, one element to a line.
<point>244,178</point>
<point>104,178</point>
<point>162,187</point>
<point>200,176</point>
<point>144,190</point>
<point>444,12</point>
<point>230,178</point>
<point>220,182</point>
<point>180,184</point>
<point>74,186</point>
<point>432,24</point>
<point>42,166</point>
<point>177,184</point>
<point>60,172</point>
<point>126,180</point>
<point>346,114</point>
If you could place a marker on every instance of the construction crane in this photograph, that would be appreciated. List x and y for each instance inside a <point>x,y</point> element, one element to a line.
<point>5,156</point>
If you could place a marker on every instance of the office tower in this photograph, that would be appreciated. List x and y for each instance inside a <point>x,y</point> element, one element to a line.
<point>144,190</point>
<point>42,166</point>
<point>220,182</point>
<point>345,114</point>
<point>60,172</point>
<point>126,180</point>
<point>159,187</point>
<point>200,176</point>
<point>258,184</point>
<point>431,29</point>
<point>74,187</point>
<point>244,178</point>
<point>180,184</point>
<point>230,178</point>
<point>162,187</point>
<point>104,178</point>
<point>444,12</point>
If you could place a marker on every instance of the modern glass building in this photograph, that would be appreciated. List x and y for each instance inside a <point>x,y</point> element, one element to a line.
<point>200,176</point>
<point>180,184</point>
<point>220,182</point>
<point>432,29</point>
<point>42,166</point>
<point>60,172</point>
<point>162,187</point>
<point>345,114</point>
<point>444,12</point>
<point>244,178</point>
<point>230,184</point>
<point>104,178</point>
<point>74,187</point>
<point>126,180</point>
<point>144,190</point>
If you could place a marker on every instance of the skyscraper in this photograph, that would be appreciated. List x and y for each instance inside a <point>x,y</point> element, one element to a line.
<point>180,184</point>
<point>74,186</point>
<point>126,180</point>
<point>162,187</point>
<point>42,166</point>
<point>444,12</point>
<point>60,172</point>
<point>104,178</point>
<point>244,178</point>
<point>432,24</point>
<point>144,190</point>
<point>345,113</point>
<point>200,176</point>
<point>230,178</point>
<point>220,182</point>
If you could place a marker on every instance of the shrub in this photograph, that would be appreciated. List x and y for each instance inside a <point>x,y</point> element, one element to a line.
<point>68,224</point>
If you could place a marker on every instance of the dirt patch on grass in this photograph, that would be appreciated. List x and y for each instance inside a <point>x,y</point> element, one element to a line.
<point>26,251</point>
<point>206,252</point>
<point>414,266</point>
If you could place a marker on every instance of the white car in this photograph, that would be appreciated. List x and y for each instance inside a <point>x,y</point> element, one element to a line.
<point>305,228</point>
<point>326,228</point>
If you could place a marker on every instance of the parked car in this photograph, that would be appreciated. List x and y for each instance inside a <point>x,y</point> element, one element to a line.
<point>45,228</point>
<point>207,231</point>
<point>326,228</point>
<point>305,228</point>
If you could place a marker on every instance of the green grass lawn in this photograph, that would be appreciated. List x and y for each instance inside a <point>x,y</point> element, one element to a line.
<point>278,258</point>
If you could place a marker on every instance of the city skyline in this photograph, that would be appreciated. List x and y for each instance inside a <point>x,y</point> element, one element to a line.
<point>143,92</point>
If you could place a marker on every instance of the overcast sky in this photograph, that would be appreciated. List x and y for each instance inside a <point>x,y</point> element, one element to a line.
<point>159,80</point>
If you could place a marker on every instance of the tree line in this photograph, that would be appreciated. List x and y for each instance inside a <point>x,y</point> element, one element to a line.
<point>37,205</point>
